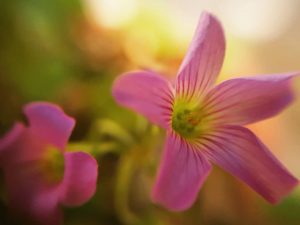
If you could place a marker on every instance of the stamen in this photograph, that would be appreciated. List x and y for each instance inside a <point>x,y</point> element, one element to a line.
<point>52,165</point>
<point>187,119</point>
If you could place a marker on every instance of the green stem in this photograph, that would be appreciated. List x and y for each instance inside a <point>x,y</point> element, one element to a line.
<point>124,175</point>
<point>95,149</point>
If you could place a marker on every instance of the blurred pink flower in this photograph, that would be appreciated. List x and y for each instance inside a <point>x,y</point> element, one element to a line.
<point>204,123</point>
<point>39,175</point>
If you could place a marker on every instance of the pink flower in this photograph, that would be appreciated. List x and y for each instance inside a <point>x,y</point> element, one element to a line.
<point>39,175</point>
<point>204,123</point>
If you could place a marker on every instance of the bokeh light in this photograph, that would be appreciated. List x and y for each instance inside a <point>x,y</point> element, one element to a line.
<point>112,14</point>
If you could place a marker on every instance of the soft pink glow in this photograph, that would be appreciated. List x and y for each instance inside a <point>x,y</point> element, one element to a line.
<point>29,170</point>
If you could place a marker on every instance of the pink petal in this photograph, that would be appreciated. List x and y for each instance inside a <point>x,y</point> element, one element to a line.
<point>203,60</point>
<point>246,100</point>
<point>80,178</point>
<point>46,209</point>
<point>29,196</point>
<point>11,136</point>
<point>147,93</point>
<point>49,123</point>
<point>20,145</point>
<point>238,151</point>
<point>182,172</point>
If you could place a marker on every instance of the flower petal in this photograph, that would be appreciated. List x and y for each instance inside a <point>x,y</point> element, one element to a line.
<point>29,196</point>
<point>147,93</point>
<point>46,209</point>
<point>11,136</point>
<point>80,178</point>
<point>20,145</point>
<point>203,60</point>
<point>182,172</point>
<point>246,100</point>
<point>238,151</point>
<point>48,122</point>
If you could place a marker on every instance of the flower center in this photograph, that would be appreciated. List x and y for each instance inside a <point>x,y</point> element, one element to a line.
<point>52,165</point>
<point>188,120</point>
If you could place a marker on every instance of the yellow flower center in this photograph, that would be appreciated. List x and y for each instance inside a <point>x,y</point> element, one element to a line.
<point>189,119</point>
<point>52,165</point>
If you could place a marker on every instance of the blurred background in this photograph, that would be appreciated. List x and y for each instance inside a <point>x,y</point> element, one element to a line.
<point>70,51</point>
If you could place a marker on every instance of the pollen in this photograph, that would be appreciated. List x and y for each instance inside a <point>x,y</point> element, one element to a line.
<point>52,165</point>
<point>188,120</point>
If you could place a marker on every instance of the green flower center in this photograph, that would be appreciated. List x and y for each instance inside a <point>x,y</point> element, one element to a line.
<point>188,120</point>
<point>52,165</point>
